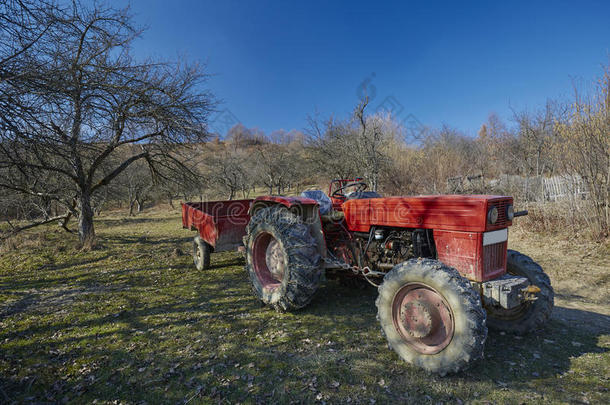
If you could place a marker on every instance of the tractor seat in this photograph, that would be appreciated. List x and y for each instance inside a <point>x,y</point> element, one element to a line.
<point>326,204</point>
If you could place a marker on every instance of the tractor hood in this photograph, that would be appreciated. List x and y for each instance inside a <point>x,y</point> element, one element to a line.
<point>466,213</point>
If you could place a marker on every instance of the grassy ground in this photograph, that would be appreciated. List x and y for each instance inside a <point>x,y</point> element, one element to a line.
<point>134,322</point>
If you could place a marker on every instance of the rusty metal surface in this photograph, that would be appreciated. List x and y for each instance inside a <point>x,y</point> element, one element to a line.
<point>508,291</point>
<point>423,318</point>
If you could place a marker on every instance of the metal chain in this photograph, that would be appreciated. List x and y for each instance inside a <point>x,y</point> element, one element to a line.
<point>365,271</point>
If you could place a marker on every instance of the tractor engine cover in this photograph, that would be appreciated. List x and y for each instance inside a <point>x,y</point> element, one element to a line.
<point>505,291</point>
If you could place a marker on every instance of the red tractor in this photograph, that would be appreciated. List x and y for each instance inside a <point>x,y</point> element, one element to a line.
<point>440,262</point>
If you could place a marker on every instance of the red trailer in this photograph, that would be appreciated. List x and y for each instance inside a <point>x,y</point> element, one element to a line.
<point>221,226</point>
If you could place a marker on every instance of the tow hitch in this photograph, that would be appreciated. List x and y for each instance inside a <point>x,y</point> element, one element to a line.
<point>508,291</point>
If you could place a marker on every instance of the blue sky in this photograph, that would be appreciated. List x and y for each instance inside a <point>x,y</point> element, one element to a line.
<point>276,62</point>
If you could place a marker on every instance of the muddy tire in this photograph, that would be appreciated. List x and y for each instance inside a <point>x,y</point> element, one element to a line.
<point>431,316</point>
<point>281,259</point>
<point>201,253</point>
<point>530,316</point>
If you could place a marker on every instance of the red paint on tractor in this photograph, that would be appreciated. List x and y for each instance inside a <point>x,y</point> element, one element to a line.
<point>458,223</point>
<point>465,252</point>
<point>447,212</point>
<point>222,224</point>
<point>501,203</point>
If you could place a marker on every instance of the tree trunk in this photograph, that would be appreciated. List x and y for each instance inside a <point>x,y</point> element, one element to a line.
<point>86,232</point>
<point>132,205</point>
<point>64,222</point>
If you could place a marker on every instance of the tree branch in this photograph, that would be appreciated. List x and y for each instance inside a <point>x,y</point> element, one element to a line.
<point>16,230</point>
<point>118,171</point>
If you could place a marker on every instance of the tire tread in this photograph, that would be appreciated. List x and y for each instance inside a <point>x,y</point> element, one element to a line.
<point>303,266</point>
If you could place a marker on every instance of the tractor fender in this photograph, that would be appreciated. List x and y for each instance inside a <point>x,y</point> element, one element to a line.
<point>292,203</point>
<point>303,207</point>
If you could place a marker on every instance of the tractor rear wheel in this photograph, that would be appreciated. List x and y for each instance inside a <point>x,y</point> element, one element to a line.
<point>201,253</point>
<point>282,260</point>
<point>431,316</point>
<point>529,316</point>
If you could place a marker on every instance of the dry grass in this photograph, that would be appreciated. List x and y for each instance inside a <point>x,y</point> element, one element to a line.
<point>569,219</point>
<point>579,267</point>
<point>134,322</point>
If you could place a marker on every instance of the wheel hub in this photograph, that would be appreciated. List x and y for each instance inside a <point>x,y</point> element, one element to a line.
<point>416,319</point>
<point>423,318</point>
<point>275,260</point>
<point>268,260</point>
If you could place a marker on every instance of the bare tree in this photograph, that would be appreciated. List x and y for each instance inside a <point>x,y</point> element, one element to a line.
<point>135,183</point>
<point>331,147</point>
<point>585,150</point>
<point>277,166</point>
<point>537,134</point>
<point>448,153</point>
<point>372,141</point>
<point>22,24</point>
<point>491,148</point>
<point>228,173</point>
<point>354,147</point>
<point>240,137</point>
<point>80,99</point>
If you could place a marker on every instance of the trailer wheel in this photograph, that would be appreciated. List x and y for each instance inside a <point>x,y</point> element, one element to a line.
<point>529,316</point>
<point>201,253</point>
<point>431,316</point>
<point>281,259</point>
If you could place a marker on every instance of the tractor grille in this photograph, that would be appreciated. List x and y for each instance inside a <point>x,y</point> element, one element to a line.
<point>494,258</point>
<point>502,221</point>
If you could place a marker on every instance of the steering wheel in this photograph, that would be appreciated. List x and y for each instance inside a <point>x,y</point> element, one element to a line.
<point>360,186</point>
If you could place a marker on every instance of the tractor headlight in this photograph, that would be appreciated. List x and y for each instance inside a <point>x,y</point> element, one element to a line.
<point>492,215</point>
<point>510,212</point>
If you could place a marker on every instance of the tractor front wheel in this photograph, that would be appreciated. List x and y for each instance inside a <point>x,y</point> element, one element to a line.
<point>531,315</point>
<point>281,259</point>
<point>431,316</point>
<point>201,253</point>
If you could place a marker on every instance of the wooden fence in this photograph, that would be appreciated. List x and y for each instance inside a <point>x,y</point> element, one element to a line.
<point>564,187</point>
<point>555,188</point>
